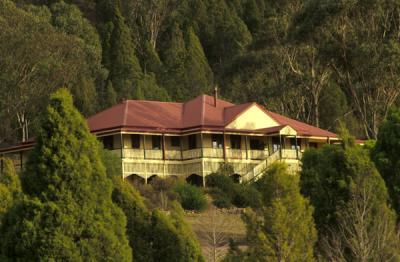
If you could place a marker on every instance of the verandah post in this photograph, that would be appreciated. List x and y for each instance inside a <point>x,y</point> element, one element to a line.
<point>122,154</point>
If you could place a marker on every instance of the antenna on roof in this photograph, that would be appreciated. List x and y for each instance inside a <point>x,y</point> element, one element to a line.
<point>215,95</point>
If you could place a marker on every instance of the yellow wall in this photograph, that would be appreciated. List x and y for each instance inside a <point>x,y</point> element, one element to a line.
<point>252,119</point>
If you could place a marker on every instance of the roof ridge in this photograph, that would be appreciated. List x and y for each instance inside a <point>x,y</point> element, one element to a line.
<point>154,101</point>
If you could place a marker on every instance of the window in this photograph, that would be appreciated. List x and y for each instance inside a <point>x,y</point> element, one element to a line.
<point>217,141</point>
<point>236,142</point>
<point>256,144</point>
<point>192,142</point>
<point>108,142</point>
<point>135,141</point>
<point>293,143</point>
<point>175,141</point>
<point>156,142</point>
<point>313,145</point>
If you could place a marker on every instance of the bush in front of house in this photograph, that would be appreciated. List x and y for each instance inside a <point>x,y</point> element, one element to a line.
<point>191,197</point>
<point>222,182</point>
<point>226,192</point>
<point>246,196</point>
<point>220,198</point>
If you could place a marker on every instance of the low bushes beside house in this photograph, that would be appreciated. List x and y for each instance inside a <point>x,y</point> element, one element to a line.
<point>226,192</point>
<point>191,197</point>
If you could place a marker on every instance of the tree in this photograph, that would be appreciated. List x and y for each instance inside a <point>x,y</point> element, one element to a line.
<point>283,229</point>
<point>223,34</point>
<point>173,57</point>
<point>36,59</point>
<point>124,195</point>
<point>9,177</point>
<point>325,179</point>
<point>385,155</point>
<point>154,235</point>
<point>199,72</point>
<point>69,19</point>
<point>118,50</point>
<point>366,229</point>
<point>148,17</point>
<point>214,227</point>
<point>173,239</point>
<point>350,200</point>
<point>359,41</point>
<point>10,186</point>
<point>190,247</point>
<point>68,213</point>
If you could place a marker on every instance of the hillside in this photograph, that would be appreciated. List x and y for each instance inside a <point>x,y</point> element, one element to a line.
<point>319,62</point>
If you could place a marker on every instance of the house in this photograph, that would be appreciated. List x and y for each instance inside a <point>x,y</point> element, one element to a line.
<point>194,138</point>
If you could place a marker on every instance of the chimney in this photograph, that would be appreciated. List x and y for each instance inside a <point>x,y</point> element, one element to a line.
<point>215,95</point>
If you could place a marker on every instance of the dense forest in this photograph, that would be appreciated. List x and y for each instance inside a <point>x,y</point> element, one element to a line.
<point>333,64</point>
<point>321,62</point>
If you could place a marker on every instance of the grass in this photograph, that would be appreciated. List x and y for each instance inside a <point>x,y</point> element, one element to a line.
<point>215,227</point>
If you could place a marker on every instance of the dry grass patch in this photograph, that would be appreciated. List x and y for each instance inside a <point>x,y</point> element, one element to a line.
<point>215,227</point>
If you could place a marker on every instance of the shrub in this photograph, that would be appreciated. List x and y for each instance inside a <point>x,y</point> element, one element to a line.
<point>220,198</point>
<point>222,182</point>
<point>227,192</point>
<point>245,196</point>
<point>191,197</point>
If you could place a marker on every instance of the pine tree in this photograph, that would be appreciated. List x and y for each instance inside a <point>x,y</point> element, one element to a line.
<point>5,200</point>
<point>173,57</point>
<point>189,246</point>
<point>155,236</point>
<point>198,71</point>
<point>118,50</point>
<point>9,177</point>
<point>110,96</point>
<point>10,186</point>
<point>286,230</point>
<point>68,213</point>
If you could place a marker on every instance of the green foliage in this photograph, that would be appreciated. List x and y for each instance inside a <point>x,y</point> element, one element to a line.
<point>226,192</point>
<point>329,175</point>
<point>68,213</point>
<point>118,50</point>
<point>9,177</point>
<point>148,89</point>
<point>365,218</point>
<point>151,234</point>
<point>246,196</point>
<point>284,228</point>
<point>36,59</point>
<point>220,198</point>
<point>69,19</point>
<point>138,227</point>
<point>220,181</point>
<point>325,179</point>
<point>187,72</point>
<point>190,247</point>
<point>191,197</point>
<point>173,240</point>
<point>317,61</point>
<point>386,156</point>
<point>6,200</point>
<point>10,187</point>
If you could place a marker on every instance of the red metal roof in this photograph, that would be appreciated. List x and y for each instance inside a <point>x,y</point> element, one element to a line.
<point>198,113</point>
<point>300,127</point>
